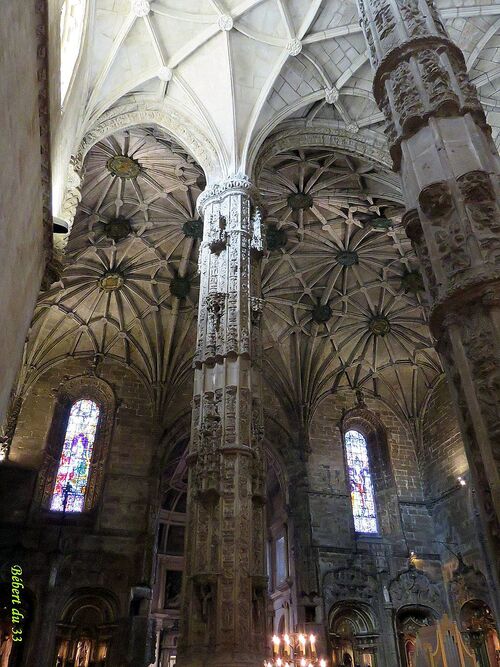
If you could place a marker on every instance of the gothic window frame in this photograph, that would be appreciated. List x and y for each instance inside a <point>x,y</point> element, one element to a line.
<point>368,423</point>
<point>69,393</point>
<point>360,431</point>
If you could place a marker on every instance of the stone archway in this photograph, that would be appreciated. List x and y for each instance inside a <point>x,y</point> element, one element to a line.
<point>409,620</point>
<point>86,628</point>
<point>353,635</point>
<point>479,630</point>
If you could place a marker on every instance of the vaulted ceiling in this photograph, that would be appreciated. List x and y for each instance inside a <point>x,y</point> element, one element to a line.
<point>280,89</point>
<point>343,297</point>
<point>226,73</point>
<point>342,291</point>
<point>129,289</point>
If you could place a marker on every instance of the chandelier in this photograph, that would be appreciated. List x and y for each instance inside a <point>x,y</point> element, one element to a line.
<point>294,650</point>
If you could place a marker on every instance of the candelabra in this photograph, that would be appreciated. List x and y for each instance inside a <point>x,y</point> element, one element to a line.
<point>294,650</point>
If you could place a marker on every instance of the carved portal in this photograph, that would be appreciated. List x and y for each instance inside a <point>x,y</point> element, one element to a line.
<point>441,145</point>
<point>223,609</point>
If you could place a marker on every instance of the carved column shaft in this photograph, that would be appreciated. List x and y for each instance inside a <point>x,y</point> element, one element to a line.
<point>224,597</point>
<point>442,147</point>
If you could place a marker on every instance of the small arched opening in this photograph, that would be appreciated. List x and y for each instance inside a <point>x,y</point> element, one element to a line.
<point>353,635</point>
<point>86,628</point>
<point>409,620</point>
<point>479,630</point>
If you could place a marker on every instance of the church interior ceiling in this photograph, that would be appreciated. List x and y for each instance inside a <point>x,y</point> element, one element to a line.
<point>289,103</point>
<point>343,298</point>
<point>277,62</point>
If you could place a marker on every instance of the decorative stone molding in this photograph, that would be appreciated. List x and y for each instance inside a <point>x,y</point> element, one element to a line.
<point>297,135</point>
<point>331,95</point>
<point>346,583</point>
<point>419,71</point>
<point>8,428</point>
<point>141,8</point>
<point>294,47</point>
<point>467,583</point>
<point>183,129</point>
<point>72,195</point>
<point>226,487</point>
<point>233,185</point>
<point>165,74</point>
<point>225,23</point>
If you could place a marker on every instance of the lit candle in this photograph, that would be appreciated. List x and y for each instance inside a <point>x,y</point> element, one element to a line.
<point>276,644</point>
<point>312,640</point>
<point>279,662</point>
<point>302,644</point>
<point>287,644</point>
<point>303,662</point>
<point>322,663</point>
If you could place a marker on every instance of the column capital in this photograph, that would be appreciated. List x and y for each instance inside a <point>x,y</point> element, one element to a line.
<point>237,184</point>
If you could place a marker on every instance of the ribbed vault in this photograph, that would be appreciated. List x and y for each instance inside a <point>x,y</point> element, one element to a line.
<point>129,288</point>
<point>224,74</point>
<point>343,296</point>
<point>344,299</point>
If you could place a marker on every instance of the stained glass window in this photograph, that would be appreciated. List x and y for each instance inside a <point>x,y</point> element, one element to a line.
<point>74,464</point>
<point>362,497</point>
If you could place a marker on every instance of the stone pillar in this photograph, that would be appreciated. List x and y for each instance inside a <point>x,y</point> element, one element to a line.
<point>223,613</point>
<point>442,147</point>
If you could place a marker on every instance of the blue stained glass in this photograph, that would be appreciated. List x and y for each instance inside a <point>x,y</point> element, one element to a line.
<point>362,497</point>
<point>74,464</point>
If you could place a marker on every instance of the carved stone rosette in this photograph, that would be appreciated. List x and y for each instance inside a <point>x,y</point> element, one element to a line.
<point>223,615</point>
<point>442,147</point>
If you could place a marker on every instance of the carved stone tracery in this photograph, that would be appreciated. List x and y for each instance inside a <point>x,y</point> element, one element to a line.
<point>414,587</point>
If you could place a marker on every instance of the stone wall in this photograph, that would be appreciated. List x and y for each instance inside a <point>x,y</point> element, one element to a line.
<point>327,474</point>
<point>21,223</point>
<point>107,550</point>
<point>442,460</point>
<point>371,574</point>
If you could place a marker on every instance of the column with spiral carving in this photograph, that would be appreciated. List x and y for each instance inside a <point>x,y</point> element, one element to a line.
<point>223,614</point>
<point>442,147</point>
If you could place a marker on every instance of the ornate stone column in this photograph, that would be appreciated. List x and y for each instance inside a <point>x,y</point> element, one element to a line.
<point>442,147</point>
<point>223,614</point>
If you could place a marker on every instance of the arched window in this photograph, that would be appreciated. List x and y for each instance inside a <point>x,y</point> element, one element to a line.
<point>72,21</point>
<point>360,481</point>
<point>74,464</point>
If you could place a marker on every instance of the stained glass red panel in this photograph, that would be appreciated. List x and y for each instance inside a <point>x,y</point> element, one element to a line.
<point>362,497</point>
<point>74,464</point>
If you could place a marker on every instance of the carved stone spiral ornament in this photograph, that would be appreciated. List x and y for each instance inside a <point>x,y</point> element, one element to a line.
<point>442,147</point>
<point>225,23</point>
<point>294,47</point>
